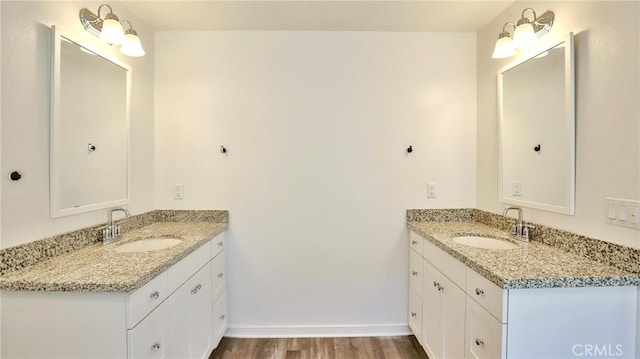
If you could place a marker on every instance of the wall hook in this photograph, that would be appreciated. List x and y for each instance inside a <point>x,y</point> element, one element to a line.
<point>410,149</point>
<point>15,176</point>
<point>537,148</point>
<point>223,150</point>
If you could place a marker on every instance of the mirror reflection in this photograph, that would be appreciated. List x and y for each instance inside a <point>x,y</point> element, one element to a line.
<point>537,130</point>
<point>89,131</point>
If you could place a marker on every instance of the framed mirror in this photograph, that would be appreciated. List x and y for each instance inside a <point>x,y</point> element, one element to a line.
<point>89,158</point>
<point>537,128</point>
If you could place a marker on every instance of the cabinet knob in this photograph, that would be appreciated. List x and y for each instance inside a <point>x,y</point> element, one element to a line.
<point>414,242</point>
<point>413,315</point>
<point>440,288</point>
<point>155,295</point>
<point>435,284</point>
<point>221,317</point>
<point>155,346</point>
<point>479,291</point>
<point>220,244</point>
<point>220,275</point>
<point>479,342</point>
<point>196,289</point>
<point>414,273</point>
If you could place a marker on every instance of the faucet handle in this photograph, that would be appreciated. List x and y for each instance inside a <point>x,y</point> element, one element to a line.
<point>527,232</point>
<point>106,233</point>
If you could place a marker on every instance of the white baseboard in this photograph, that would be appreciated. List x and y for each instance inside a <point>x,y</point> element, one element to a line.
<point>317,331</point>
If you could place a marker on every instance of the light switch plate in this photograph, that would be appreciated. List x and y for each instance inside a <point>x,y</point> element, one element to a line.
<point>623,212</point>
<point>178,191</point>
<point>431,190</point>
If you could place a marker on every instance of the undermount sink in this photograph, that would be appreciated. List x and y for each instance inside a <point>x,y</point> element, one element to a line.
<point>148,244</point>
<point>484,242</point>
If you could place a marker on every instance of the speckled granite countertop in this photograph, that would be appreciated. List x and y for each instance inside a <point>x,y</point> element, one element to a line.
<point>530,265</point>
<point>98,268</point>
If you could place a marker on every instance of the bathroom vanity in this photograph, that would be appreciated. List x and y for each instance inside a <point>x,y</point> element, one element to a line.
<point>101,302</point>
<point>530,301</point>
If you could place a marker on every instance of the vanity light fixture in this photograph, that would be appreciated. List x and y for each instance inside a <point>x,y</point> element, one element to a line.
<point>504,45</point>
<point>109,29</point>
<point>132,45</point>
<point>525,33</point>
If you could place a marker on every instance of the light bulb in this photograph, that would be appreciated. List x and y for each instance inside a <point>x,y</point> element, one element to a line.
<point>112,32</point>
<point>132,46</point>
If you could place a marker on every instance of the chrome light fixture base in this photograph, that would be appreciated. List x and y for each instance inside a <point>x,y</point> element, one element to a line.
<point>543,23</point>
<point>91,22</point>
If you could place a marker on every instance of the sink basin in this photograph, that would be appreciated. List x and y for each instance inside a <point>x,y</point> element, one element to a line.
<point>484,242</point>
<point>148,244</point>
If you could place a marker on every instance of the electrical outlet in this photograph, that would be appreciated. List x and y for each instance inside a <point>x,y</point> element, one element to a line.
<point>178,192</point>
<point>431,190</point>
<point>516,189</point>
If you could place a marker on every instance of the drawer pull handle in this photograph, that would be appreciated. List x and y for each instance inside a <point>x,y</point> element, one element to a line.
<point>196,289</point>
<point>479,342</point>
<point>220,244</point>
<point>414,242</point>
<point>440,288</point>
<point>222,317</point>
<point>413,315</point>
<point>415,274</point>
<point>479,291</point>
<point>155,295</point>
<point>155,346</point>
<point>220,275</point>
<point>436,284</point>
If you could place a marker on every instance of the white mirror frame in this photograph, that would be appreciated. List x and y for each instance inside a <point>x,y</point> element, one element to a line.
<point>569,118</point>
<point>55,130</point>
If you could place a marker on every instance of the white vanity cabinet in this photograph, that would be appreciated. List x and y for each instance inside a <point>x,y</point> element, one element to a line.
<point>169,317</point>
<point>443,303</point>
<point>464,315</point>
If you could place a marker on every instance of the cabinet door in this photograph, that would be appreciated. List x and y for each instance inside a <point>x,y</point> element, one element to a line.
<point>484,333</point>
<point>219,276</point>
<point>452,319</point>
<point>220,319</point>
<point>199,290</point>
<point>177,323</point>
<point>415,271</point>
<point>431,311</point>
<point>146,339</point>
<point>415,314</point>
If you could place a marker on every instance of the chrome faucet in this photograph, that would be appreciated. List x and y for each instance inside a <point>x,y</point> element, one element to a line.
<point>112,231</point>
<point>519,230</point>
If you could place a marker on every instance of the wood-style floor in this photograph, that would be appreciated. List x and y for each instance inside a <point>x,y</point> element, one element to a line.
<point>403,347</point>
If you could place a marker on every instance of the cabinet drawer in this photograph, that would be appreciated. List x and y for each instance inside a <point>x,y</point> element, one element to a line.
<point>445,263</point>
<point>146,340</point>
<point>219,275</point>
<point>217,244</point>
<point>415,272</point>
<point>485,336</point>
<point>416,242</point>
<point>185,268</point>
<point>487,294</point>
<point>415,314</point>
<point>145,299</point>
<point>220,318</point>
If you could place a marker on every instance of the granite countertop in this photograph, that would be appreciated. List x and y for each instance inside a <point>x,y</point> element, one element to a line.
<point>530,265</point>
<point>99,268</point>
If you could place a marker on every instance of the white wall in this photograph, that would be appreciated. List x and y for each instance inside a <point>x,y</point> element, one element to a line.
<point>607,74</point>
<point>25,117</point>
<point>316,178</point>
